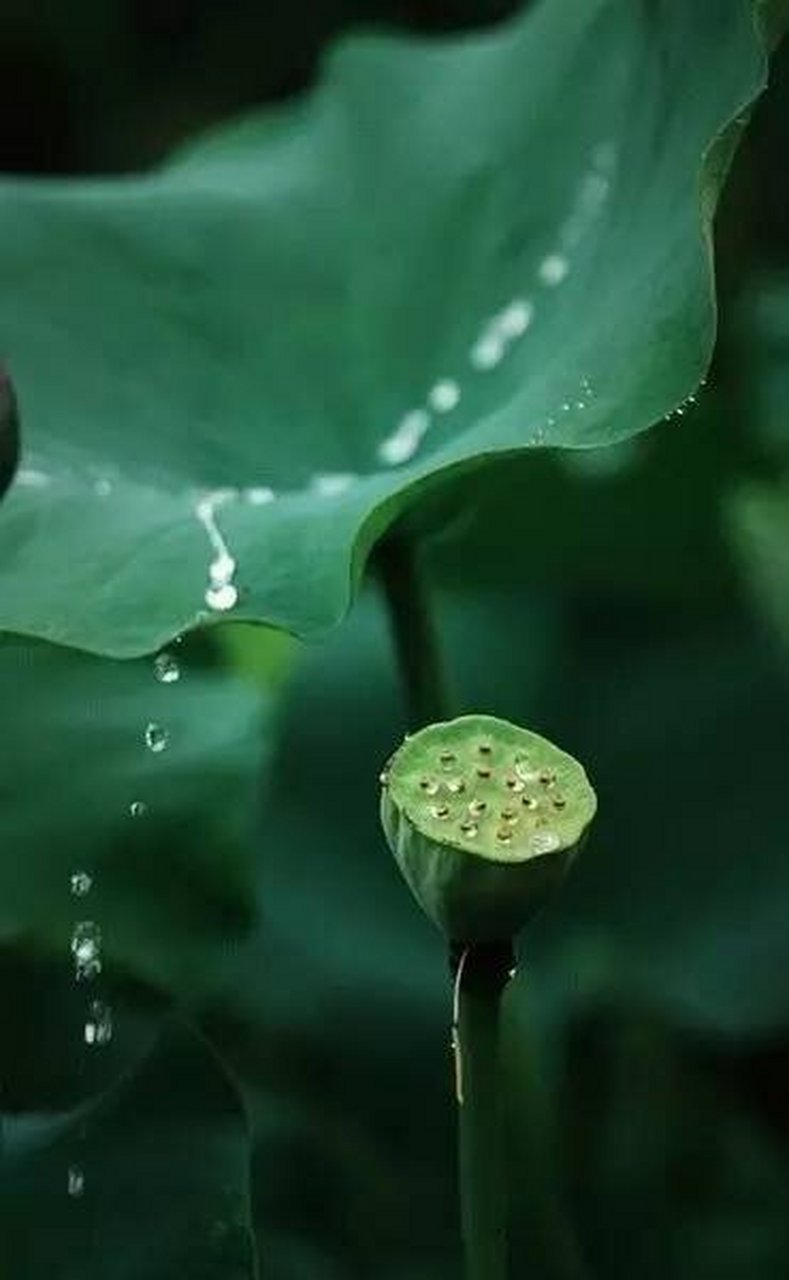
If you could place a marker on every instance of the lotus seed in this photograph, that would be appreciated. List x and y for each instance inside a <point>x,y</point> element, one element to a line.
<point>477,808</point>
<point>439,811</point>
<point>483,773</point>
<point>456,786</point>
<point>469,828</point>
<point>559,802</point>
<point>429,786</point>
<point>485,748</point>
<point>504,835</point>
<point>547,778</point>
<point>514,784</point>
<point>447,757</point>
<point>530,802</point>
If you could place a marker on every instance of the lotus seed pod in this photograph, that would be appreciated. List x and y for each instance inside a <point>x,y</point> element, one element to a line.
<point>483,818</point>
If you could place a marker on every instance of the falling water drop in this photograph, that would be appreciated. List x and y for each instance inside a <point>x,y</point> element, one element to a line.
<point>75,1182</point>
<point>81,883</point>
<point>487,352</point>
<point>86,950</point>
<point>166,668</point>
<point>138,808</point>
<point>98,1028</point>
<point>155,738</point>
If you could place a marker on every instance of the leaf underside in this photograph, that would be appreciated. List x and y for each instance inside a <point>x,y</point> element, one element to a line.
<point>258,357</point>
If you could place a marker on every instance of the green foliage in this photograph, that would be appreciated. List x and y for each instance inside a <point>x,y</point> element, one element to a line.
<point>505,236</point>
<point>275,1096</point>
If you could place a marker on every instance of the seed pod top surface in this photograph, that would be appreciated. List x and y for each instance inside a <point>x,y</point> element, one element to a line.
<point>489,787</point>
<point>483,818</point>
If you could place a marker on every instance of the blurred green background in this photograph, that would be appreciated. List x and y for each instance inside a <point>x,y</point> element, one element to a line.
<point>646,628</point>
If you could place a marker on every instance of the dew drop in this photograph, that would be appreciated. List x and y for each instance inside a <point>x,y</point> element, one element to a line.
<point>75,1183</point>
<point>98,1028</point>
<point>525,771</point>
<point>553,269</point>
<point>81,883</point>
<point>138,808</point>
<point>444,396</point>
<point>259,496</point>
<point>166,668</point>
<point>332,483</point>
<point>406,438</point>
<point>222,598</point>
<point>221,570</point>
<point>487,352</point>
<point>155,738</point>
<point>515,319</point>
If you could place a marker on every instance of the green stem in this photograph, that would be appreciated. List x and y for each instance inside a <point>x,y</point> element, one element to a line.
<point>481,975</point>
<point>414,631</point>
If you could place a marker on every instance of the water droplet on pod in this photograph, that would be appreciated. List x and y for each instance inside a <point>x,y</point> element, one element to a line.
<point>544,842</point>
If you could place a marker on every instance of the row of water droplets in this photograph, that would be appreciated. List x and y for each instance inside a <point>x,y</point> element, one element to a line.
<point>492,344</point>
<point>86,936</point>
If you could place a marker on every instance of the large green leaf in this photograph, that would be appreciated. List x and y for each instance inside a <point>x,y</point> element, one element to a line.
<point>451,250</point>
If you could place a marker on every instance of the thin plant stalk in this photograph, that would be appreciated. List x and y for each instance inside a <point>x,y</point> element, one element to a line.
<point>481,974</point>
<point>414,631</point>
